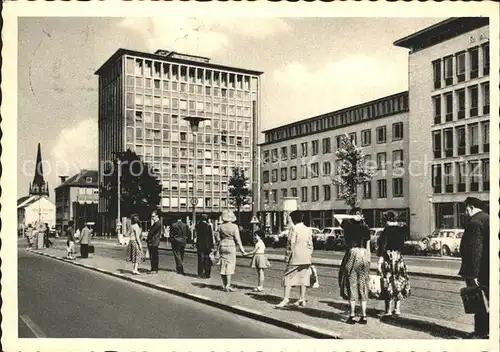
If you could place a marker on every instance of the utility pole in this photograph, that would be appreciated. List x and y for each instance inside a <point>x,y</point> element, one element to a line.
<point>255,164</point>
<point>118,217</point>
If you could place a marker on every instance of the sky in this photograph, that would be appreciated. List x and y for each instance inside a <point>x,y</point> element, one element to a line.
<point>311,66</point>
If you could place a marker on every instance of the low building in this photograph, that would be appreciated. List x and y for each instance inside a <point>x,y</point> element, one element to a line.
<point>77,198</point>
<point>298,160</point>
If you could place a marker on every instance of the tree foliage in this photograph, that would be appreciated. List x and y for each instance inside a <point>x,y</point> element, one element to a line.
<point>352,171</point>
<point>140,188</point>
<point>239,190</point>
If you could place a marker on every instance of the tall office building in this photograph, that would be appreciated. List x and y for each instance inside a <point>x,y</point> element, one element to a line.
<point>143,101</point>
<point>298,160</point>
<point>449,66</point>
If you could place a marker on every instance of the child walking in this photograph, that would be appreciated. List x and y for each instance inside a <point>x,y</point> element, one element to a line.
<point>259,259</point>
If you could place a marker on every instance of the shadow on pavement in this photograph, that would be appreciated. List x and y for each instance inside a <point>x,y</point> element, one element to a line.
<point>271,299</point>
<point>318,313</point>
<point>219,287</point>
<point>175,271</point>
<point>124,271</point>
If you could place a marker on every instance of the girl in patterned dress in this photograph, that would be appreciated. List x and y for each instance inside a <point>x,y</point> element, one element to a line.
<point>391,266</point>
<point>259,259</point>
<point>135,245</point>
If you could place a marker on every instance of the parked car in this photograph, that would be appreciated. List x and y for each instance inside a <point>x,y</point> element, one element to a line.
<point>331,238</point>
<point>445,241</point>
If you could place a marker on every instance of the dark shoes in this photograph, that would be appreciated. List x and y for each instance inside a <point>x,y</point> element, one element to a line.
<point>351,321</point>
<point>362,321</point>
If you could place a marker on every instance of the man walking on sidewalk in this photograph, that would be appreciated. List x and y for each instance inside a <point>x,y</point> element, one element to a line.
<point>153,241</point>
<point>179,233</point>
<point>204,245</point>
<point>475,252</point>
<point>70,233</point>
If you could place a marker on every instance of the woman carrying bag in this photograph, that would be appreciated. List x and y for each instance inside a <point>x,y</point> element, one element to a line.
<point>134,248</point>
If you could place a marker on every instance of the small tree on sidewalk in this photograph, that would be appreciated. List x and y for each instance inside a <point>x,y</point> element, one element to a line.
<point>239,190</point>
<point>352,171</point>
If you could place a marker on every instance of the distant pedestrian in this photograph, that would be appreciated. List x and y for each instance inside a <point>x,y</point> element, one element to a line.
<point>298,259</point>
<point>354,274</point>
<point>259,259</point>
<point>85,241</point>
<point>29,236</point>
<point>179,234</point>
<point>475,252</point>
<point>46,233</point>
<point>229,238</point>
<point>391,266</point>
<point>134,250</point>
<point>204,246</point>
<point>70,243</point>
<point>153,241</point>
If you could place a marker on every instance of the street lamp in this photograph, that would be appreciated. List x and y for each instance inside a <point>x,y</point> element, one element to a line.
<point>429,197</point>
<point>194,122</point>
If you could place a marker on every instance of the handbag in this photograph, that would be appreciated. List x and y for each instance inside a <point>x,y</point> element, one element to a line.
<point>314,281</point>
<point>474,300</point>
<point>375,286</point>
<point>211,255</point>
<point>91,249</point>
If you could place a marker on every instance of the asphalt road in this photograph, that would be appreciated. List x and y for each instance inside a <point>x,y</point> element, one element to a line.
<point>434,298</point>
<point>59,300</point>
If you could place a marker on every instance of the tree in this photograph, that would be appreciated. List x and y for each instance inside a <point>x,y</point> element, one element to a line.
<point>239,190</point>
<point>140,188</point>
<point>352,171</point>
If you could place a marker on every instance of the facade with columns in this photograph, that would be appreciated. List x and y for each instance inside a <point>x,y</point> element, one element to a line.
<point>449,120</point>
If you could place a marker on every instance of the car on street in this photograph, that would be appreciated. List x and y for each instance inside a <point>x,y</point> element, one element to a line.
<point>331,238</point>
<point>445,241</point>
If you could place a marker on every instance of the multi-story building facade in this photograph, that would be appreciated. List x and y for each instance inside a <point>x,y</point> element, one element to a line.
<point>449,120</point>
<point>298,160</point>
<point>77,198</point>
<point>144,99</point>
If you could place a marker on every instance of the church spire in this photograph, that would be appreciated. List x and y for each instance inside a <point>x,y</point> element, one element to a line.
<point>39,187</point>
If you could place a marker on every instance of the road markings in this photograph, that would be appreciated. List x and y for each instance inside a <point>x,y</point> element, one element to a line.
<point>32,326</point>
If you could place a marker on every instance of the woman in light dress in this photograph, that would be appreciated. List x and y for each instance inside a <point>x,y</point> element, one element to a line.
<point>229,239</point>
<point>135,245</point>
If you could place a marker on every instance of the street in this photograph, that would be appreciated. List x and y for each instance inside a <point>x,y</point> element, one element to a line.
<point>435,298</point>
<point>59,300</point>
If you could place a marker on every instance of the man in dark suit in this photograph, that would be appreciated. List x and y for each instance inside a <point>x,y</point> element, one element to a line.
<point>204,245</point>
<point>179,233</point>
<point>475,252</point>
<point>153,241</point>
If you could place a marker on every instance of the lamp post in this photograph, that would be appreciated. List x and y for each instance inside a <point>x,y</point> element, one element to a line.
<point>194,122</point>
<point>429,197</point>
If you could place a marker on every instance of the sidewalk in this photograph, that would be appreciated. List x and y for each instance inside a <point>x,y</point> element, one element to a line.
<point>322,317</point>
<point>422,271</point>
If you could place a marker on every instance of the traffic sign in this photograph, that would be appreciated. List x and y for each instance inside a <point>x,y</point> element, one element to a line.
<point>194,201</point>
<point>254,220</point>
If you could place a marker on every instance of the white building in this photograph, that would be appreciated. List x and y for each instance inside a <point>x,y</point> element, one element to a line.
<point>35,209</point>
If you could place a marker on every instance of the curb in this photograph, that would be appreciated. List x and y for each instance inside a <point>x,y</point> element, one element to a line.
<point>248,313</point>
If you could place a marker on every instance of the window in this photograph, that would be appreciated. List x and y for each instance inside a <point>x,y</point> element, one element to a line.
<point>265,157</point>
<point>436,67</point>
<point>366,137</point>
<point>473,99</point>
<point>293,172</point>
<point>474,173</point>
<point>274,175</point>
<point>474,138</point>
<point>437,109</point>
<point>448,142</point>
<point>448,178</point>
<point>327,147</point>
<point>397,158</point>
<point>449,107</point>
<point>486,175</point>
<point>462,176</point>
<point>314,170</point>
<point>274,155</point>
<point>382,188</point>
<point>315,147</point>
<point>352,137</point>
<point>294,192</point>
<point>274,195</point>
<point>303,194</point>
<point>460,67</point>
<point>303,171</point>
<point>448,70</point>
<point>327,192</point>
<point>339,141</point>
<point>265,176</point>
<point>461,104</point>
<point>486,136</point>
<point>436,143</point>
<point>460,135</point>
<point>436,178</point>
<point>397,187</point>
<point>381,134</point>
<point>283,174</point>
<point>367,189</point>
<point>284,193</point>
<point>474,63</point>
<point>486,59</point>
<point>381,161</point>
<point>397,131</point>
<point>327,168</point>
<point>303,147</point>
<point>284,153</point>
<point>486,98</point>
<point>315,193</point>
<point>183,104</point>
<point>293,151</point>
